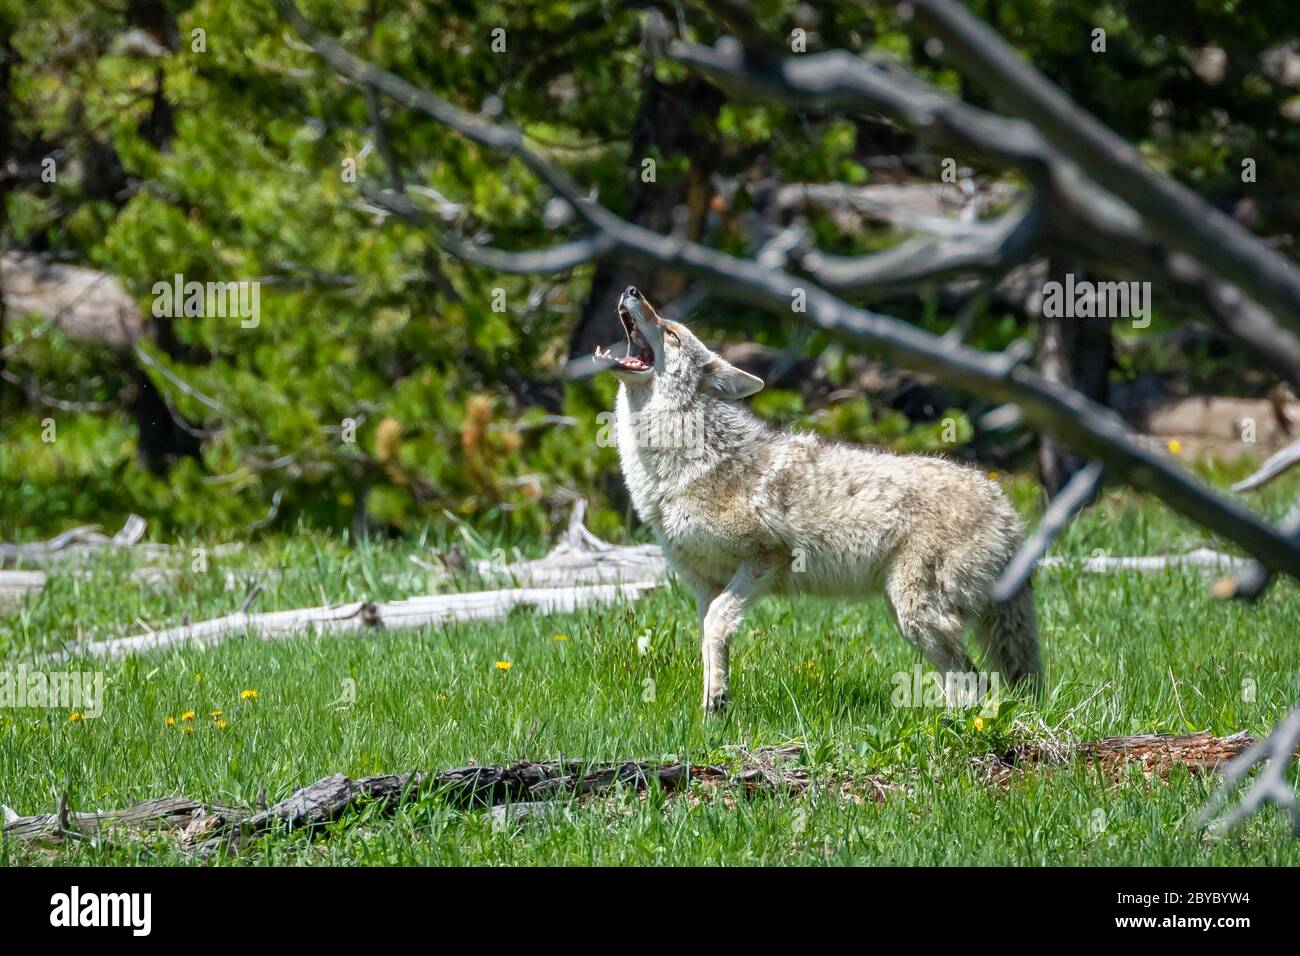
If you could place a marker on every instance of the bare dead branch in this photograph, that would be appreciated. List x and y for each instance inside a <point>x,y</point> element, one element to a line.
<point>360,615</point>
<point>74,542</point>
<point>1203,558</point>
<point>1252,581</point>
<point>559,258</point>
<point>1077,214</point>
<point>581,570</point>
<point>37,393</point>
<point>1276,464</point>
<point>1077,493</point>
<point>1176,215</point>
<point>178,382</point>
<point>986,249</point>
<point>1276,752</point>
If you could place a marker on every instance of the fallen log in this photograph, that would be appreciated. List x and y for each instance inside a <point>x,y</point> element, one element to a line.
<point>617,573</point>
<point>529,788</point>
<point>1275,753</point>
<point>16,585</point>
<point>160,813</point>
<point>77,542</point>
<point>363,615</point>
<point>209,827</point>
<point>580,557</point>
<point>1155,753</point>
<point>1205,558</point>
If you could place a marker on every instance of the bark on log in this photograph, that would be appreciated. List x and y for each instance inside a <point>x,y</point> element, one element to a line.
<point>160,813</point>
<point>329,798</point>
<point>209,828</point>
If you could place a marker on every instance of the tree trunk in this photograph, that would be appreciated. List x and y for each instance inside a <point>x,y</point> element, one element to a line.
<point>1075,352</point>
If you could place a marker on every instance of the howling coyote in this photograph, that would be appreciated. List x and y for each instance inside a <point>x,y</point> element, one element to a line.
<point>743,509</point>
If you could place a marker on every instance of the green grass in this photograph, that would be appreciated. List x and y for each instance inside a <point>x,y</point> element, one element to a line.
<point>1126,654</point>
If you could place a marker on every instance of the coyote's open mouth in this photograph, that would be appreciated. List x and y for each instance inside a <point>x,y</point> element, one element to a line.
<point>640,357</point>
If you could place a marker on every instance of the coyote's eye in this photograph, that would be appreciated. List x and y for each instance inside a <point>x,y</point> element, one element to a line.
<point>669,333</point>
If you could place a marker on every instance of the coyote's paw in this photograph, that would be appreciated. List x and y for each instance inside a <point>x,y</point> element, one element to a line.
<point>715,701</point>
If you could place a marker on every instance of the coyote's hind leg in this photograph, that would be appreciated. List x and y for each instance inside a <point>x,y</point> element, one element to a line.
<point>929,619</point>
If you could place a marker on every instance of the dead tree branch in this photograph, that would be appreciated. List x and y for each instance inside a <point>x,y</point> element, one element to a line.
<point>1276,752</point>
<point>1077,493</point>
<point>76,542</point>
<point>362,615</point>
<point>1077,215</point>
<point>580,571</point>
<point>1277,463</point>
<point>985,249</point>
<point>1177,216</point>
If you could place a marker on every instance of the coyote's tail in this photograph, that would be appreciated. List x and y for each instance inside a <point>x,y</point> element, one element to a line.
<point>1008,633</point>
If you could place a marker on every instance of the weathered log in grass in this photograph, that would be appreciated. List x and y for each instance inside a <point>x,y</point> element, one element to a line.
<point>359,616</point>
<point>74,543</point>
<point>580,557</point>
<point>208,828</point>
<point>531,788</point>
<point>624,573</point>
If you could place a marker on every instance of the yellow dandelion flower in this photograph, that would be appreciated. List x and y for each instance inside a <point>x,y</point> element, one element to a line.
<point>503,665</point>
<point>979,723</point>
<point>188,715</point>
<point>1175,445</point>
<point>198,678</point>
<point>75,717</point>
<point>215,714</point>
<point>169,721</point>
<point>561,637</point>
<point>220,725</point>
<point>248,695</point>
<point>187,729</point>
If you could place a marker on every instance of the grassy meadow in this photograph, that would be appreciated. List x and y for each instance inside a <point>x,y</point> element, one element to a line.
<point>1126,653</point>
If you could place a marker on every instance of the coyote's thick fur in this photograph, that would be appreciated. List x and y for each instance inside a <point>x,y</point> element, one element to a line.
<point>743,509</point>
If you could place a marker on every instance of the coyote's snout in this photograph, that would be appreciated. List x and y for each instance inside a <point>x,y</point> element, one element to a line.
<point>743,509</point>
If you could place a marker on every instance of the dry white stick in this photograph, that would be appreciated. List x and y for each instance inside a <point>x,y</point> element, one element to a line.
<point>1276,464</point>
<point>16,585</point>
<point>359,615</point>
<point>1149,564</point>
<point>74,543</point>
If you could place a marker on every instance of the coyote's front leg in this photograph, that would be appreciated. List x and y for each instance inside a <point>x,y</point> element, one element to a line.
<point>722,619</point>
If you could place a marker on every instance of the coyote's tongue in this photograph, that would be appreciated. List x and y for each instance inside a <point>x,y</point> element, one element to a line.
<point>639,357</point>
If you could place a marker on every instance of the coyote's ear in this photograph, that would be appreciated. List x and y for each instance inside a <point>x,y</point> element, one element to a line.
<point>724,380</point>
